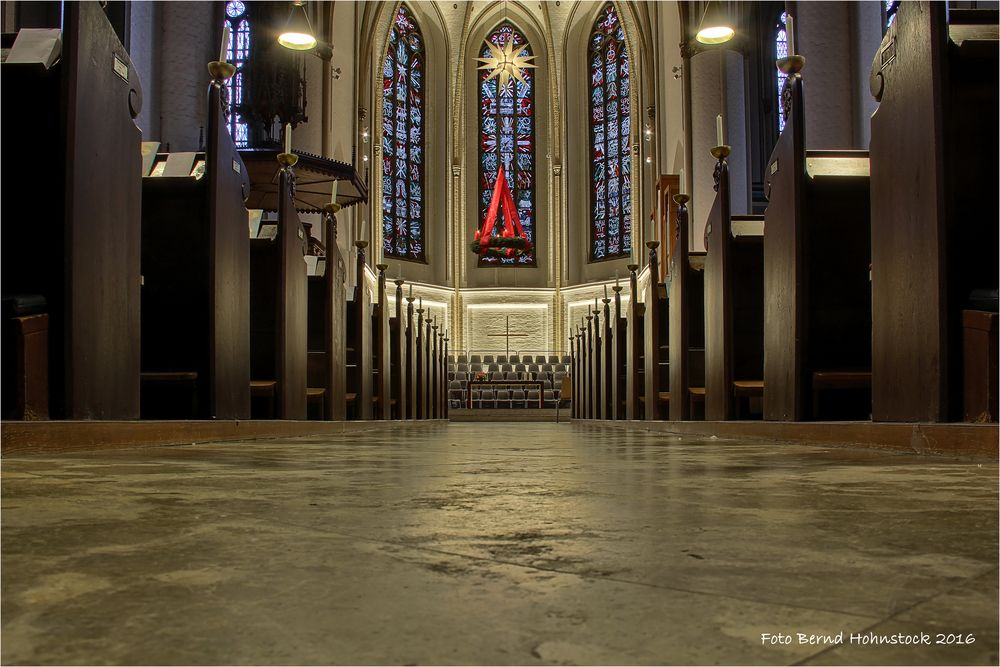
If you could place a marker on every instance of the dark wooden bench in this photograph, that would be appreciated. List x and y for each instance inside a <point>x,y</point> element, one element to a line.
<point>935,239</point>
<point>196,265</point>
<point>279,309</point>
<point>734,306</point>
<point>635,349</point>
<point>687,317</point>
<point>359,341</point>
<point>76,120</point>
<point>817,253</point>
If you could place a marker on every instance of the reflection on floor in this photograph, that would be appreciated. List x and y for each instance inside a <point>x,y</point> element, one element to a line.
<point>501,544</point>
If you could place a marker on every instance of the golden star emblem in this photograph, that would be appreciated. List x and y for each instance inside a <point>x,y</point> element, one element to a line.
<point>504,63</point>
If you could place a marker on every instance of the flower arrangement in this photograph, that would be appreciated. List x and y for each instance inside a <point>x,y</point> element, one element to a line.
<point>480,376</point>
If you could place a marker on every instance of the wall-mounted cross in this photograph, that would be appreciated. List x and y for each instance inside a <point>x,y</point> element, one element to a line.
<point>508,335</point>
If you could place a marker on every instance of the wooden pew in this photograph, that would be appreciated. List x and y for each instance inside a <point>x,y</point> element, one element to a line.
<point>327,328</point>
<point>397,356</point>
<point>382,381</point>
<point>196,270</point>
<point>635,385</point>
<point>817,294</point>
<point>422,367</point>
<point>359,342</point>
<point>687,320</point>
<point>934,240</point>
<point>434,372</point>
<point>619,357</point>
<point>575,369</point>
<point>656,339</point>
<point>77,118</point>
<point>279,312</point>
<point>444,383</point>
<point>595,358</point>
<point>606,362</point>
<point>412,362</point>
<point>734,306</point>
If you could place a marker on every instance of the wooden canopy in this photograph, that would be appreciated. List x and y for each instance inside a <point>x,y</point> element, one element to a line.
<point>314,177</point>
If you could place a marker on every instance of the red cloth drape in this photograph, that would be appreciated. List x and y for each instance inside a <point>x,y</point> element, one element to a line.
<point>511,223</point>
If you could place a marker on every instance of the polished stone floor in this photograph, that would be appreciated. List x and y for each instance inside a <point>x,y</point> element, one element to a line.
<point>497,544</point>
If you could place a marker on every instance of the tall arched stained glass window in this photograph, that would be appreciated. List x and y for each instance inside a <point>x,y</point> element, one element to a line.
<point>780,51</point>
<point>610,139</point>
<point>507,137</point>
<point>237,54</point>
<point>403,140</point>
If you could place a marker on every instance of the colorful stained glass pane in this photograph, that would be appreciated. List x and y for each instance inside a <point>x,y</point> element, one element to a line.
<point>507,137</point>
<point>403,140</point>
<point>780,51</point>
<point>610,138</point>
<point>237,53</point>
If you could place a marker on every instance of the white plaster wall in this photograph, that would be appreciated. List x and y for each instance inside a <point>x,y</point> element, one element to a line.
<point>706,103</point>
<point>824,38</point>
<point>735,120</point>
<point>866,24</point>
<point>144,43</point>
<point>670,91</point>
<point>189,41</point>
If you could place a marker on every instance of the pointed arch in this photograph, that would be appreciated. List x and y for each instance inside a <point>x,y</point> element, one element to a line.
<point>610,117</point>
<point>403,154</point>
<point>237,53</point>
<point>507,137</point>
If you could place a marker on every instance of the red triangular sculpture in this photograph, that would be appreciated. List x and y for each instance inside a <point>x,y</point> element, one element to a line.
<point>511,221</point>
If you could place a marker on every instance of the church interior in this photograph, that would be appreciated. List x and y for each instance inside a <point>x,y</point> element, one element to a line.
<point>500,332</point>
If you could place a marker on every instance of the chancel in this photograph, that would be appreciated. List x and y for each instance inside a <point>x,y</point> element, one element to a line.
<point>298,296</point>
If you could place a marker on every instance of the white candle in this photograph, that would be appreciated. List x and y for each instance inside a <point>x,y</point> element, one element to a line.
<point>680,185</point>
<point>616,279</point>
<point>225,44</point>
<point>605,291</point>
<point>790,33</point>
<point>421,303</point>
<point>718,130</point>
<point>288,137</point>
<point>333,193</point>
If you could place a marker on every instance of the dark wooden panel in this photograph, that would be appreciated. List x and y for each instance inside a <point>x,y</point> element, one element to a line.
<point>934,240</point>
<point>80,120</point>
<point>412,367</point>
<point>718,304</point>
<point>608,343</point>
<point>359,343</point>
<point>397,354</point>
<point>734,306</point>
<point>335,323</point>
<point>102,218</point>
<point>634,350</point>
<point>382,387</point>
<point>229,269</point>
<point>687,320</point>
<point>656,341</point>
<point>619,358</point>
<point>292,308</point>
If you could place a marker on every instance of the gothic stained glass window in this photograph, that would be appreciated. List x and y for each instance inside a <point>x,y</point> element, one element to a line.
<point>507,137</point>
<point>403,140</point>
<point>610,139</point>
<point>780,51</point>
<point>237,53</point>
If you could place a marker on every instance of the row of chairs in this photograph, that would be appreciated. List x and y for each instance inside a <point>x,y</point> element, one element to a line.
<point>551,380</point>
<point>502,398</point>
<point>512,359</point>
<point>508,368</point>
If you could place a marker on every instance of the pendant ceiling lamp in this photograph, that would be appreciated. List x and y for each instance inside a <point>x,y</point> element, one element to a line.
<point>715,26</point>
<point>297,34</point>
